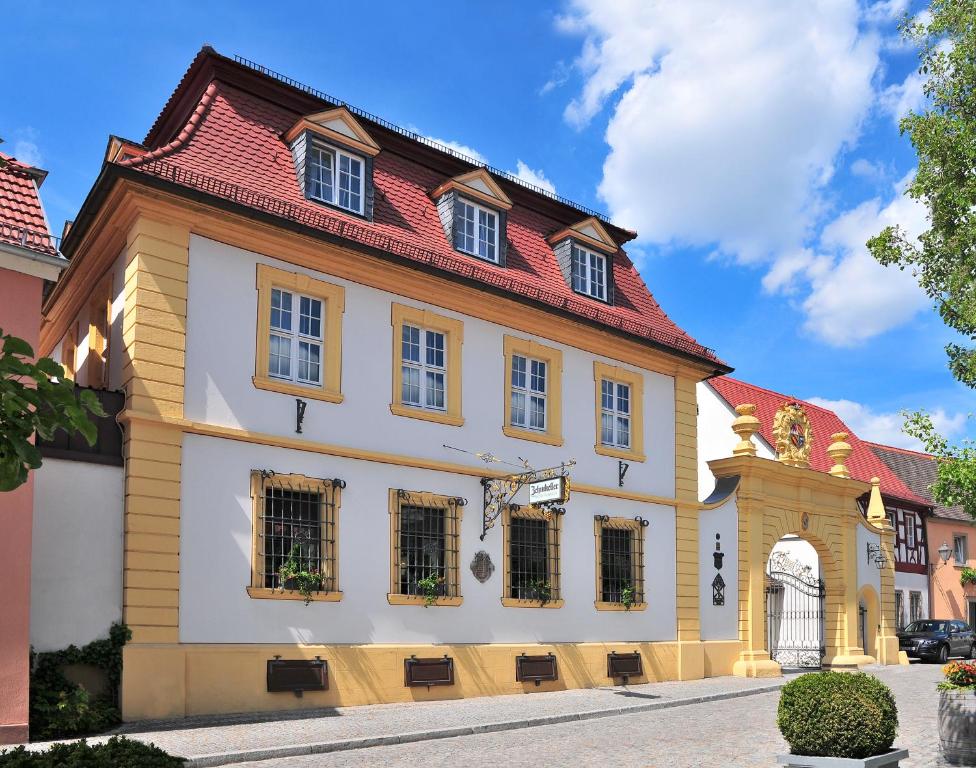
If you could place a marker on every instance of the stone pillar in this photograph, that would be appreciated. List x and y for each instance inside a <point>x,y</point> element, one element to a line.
<point>888,652</point>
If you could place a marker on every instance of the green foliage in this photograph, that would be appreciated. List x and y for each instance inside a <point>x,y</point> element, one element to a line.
<point>956,479</point>
<point>541,589</point>
<point>967,576</point>
<point>60,708</point>
<point>430,588</point>
<point>117,752</point>
<point>35,397</point>
<point>837,714</point>
<point>305,580</point>
<point>627,596</point>
<point>944,136</point>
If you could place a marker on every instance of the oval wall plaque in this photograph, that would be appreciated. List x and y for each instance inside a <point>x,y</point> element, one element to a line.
<point>481,566</point>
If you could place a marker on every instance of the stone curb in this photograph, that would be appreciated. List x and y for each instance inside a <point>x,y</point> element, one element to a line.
<point>323,747</point>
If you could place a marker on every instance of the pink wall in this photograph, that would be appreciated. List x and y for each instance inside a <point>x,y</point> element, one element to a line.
<point>949,600</point>
<point>20,315</point>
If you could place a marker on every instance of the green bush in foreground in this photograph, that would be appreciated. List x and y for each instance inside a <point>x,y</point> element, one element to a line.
<point>837,714</point>
<point>117,752</point>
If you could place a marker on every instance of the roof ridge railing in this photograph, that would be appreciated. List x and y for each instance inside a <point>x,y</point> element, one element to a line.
<point>417,137</point>
<point>28,238</point>
<point>367,236</point>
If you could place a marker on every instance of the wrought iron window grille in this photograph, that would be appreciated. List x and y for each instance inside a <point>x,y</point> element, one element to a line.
<point>295,520</point>
<point>426,541</point>
<point>534,555</point>
<point>621,572</point>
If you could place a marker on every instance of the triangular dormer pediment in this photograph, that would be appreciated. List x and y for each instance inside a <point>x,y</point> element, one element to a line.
<point>589,232</point>
<point>337,125</point>
<point>479,185</point>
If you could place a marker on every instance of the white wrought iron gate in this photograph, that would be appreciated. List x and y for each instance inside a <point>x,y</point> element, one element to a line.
<point>794,615</point>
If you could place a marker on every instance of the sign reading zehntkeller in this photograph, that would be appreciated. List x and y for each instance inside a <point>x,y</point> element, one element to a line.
<point>546,491</point>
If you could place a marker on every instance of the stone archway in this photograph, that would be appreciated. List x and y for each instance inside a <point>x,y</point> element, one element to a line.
<point>869,620</point>
<point>795,596</point>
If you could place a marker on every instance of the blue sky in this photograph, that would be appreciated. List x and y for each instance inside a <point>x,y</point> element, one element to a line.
<point>753,145</point>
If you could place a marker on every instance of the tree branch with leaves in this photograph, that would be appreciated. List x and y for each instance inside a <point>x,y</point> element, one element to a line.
<point>36,398</point>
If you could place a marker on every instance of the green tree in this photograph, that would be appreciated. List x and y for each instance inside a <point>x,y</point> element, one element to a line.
<point>944,136</point>
<point>956,479</point>
<point>35,397</point>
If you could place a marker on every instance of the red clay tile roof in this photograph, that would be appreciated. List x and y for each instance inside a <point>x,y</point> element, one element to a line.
<point>918,471</point>
<point>863,464</point>
<point>22,220</point>
<point>231,146</point>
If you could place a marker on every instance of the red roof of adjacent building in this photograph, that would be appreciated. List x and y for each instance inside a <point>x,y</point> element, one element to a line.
<point>221,134</point>
<point>22,219</point>
<point>863,463</point>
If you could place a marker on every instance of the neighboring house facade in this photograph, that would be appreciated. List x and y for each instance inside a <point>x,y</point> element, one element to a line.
<point>907,510</point>
<point>947,527</point>
<point>28,259</point>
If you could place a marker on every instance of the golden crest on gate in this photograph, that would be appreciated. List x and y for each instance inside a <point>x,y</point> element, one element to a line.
<point>793,435</point>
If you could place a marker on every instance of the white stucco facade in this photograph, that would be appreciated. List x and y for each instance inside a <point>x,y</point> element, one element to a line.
<point>719,526</point>
<point>76,567</point>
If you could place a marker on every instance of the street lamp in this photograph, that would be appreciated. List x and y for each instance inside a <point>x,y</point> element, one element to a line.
<point>944,552</point>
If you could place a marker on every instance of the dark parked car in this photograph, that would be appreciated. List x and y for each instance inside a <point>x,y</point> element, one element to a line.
<point>937,640</point>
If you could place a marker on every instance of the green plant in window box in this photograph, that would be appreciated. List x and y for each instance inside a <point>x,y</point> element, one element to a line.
<point>968,576</point>
<point>627,595</point>
<point>292,576</point>
<point>541,590</point>
<point>430,588</point>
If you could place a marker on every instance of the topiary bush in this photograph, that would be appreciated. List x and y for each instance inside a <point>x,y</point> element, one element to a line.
<point>837,714</point>
<point>117,752</point>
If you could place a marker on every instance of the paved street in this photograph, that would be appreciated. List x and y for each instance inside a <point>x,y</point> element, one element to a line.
<point>738,732</point>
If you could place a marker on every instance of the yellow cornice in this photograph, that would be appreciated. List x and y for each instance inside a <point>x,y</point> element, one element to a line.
<point>128,200</point>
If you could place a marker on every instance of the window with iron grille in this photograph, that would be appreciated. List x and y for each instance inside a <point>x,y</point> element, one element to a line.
<point>532,551</point>
<point>915,606</point>
<point>620,563</point>
<point>425,536</point>
<point>899,609</point>
<point>294,522</point>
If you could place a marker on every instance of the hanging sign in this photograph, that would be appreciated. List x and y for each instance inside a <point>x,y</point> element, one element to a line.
<point>549,491</point>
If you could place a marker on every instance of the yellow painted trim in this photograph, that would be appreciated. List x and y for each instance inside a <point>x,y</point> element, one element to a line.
<point>605,243</point>
<point>553,564</point>
<point>635,381</point>
<point>625,523</point>
<point>553,358</point>
<point>262,438</point>
<point>99,314</point>
<point>334,301</point>
<point>496,199</point>
<point>452,535</point>
<point>453,331</point>
<point>263,593</point>
<point>329,547</point>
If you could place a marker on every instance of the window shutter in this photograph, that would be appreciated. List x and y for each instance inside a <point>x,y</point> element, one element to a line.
<point>368,189</point>
<point>502,238</point>
<point>454,220</point>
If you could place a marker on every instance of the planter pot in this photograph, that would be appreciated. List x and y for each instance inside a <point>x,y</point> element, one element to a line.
<point>957,726</point>
<point>887,760</point>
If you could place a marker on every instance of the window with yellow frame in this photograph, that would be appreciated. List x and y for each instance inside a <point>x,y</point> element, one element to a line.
<point>533,391</point>
<point>619,563</point>
<point>299,335</point>
<point>425,540</point>
<point>531,540</point>
<point>619,412</point>
<point>295,527</point>
<point>426,365</point>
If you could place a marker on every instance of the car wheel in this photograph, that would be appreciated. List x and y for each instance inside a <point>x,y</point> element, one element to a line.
<point>943,656</point>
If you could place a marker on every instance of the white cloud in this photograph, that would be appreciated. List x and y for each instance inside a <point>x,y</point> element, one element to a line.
<point>530,176</point>
<point>885,427</point>
<point>463,149</point>
<point>731,116</point>
<point>851,297</point>
<point>26,149</point>
<point>867,169</point>
<point>899,99</point>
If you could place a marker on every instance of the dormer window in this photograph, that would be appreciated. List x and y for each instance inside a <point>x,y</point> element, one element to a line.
<point>589,273</point>
<point>333,157</point>
<point>335,177</point>
<point>476,230</point>
<point>473,211</point>
<point>585,254</point>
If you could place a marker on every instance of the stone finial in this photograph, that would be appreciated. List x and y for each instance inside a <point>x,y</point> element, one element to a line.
<point>745,426</point>
<point>876,510</point>
<point>838,450</point>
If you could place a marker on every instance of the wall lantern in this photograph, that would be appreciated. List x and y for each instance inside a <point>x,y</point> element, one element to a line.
<point>718,555</point>
<point>944,552</point>
<point>876,554</point>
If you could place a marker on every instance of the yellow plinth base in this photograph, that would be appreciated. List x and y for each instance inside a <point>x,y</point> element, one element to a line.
<point>691,660</point>
<point>903,658</point>
<point>849,661</point>
<point>756,664</point>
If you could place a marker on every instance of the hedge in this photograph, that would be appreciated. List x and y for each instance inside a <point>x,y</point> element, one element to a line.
<point>117,752</point>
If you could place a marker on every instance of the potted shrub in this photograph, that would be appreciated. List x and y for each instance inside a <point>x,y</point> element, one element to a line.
<point>431,587</point>
<point>957,713</point>
<point>293,576</point>
<point>838,720</point>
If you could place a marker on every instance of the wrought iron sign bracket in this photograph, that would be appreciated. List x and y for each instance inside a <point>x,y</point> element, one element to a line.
<point>499,492</point>
<point>622,467</point>
<point>300,406</point>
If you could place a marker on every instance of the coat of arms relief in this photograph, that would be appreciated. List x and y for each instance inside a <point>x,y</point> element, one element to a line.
<point>793,435</point>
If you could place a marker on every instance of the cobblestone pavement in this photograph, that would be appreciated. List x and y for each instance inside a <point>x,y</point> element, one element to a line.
<point>738,732</point>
